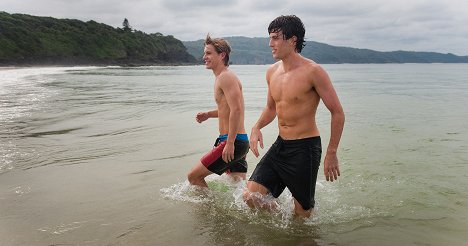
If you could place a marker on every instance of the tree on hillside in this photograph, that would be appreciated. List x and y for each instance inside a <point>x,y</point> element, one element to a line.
<point>126,25</point>
<point>26,39</point>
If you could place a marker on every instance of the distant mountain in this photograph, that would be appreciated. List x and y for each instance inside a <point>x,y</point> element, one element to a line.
<point>256,51</point>
<point>33,40</point>
<point>244,50</point>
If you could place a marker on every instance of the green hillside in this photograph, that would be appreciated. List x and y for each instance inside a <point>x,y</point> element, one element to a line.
<point>256,51</point>
<point>32,40</point>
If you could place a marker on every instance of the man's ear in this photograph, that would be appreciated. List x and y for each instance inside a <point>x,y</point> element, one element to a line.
<point>294,40</point>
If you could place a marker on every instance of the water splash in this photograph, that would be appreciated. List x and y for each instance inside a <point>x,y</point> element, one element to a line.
<point>20,190</point>
<point>227,196</point>
<point>63,228</point>
<point>186,193</point>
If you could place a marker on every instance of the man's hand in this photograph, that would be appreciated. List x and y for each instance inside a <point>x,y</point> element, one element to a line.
<point>255,137</point>
<point>228,152</point>
<point>202,116</point>
<point>331,167</point>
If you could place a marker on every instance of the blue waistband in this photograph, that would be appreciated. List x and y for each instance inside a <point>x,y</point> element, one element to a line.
<point>242,137</point>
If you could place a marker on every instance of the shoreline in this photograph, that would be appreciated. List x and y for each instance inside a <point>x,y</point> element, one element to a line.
<point>70,63</point>
<point>20,66</point>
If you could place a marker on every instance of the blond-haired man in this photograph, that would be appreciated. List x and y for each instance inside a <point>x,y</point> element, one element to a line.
<point>232,145</point>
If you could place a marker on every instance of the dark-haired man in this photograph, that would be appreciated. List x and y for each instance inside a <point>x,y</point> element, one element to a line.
<point>232,145</point>
<point>295,87</point>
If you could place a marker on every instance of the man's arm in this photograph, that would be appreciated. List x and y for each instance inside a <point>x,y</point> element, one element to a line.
<point>327,93</point>
<point>229,84</point>
<point>267,116</point>
<point>202,116</point>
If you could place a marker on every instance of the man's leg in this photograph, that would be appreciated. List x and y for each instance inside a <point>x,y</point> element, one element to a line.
<point>197,175</point>
<point>238,170</point>
<point>254,197</point>
<point>299,211</point>
<point>237,176</point>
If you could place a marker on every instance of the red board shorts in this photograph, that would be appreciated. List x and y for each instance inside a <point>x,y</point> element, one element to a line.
<point>214,162</point>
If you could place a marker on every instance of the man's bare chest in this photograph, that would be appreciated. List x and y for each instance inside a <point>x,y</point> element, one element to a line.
<point>286,88</point>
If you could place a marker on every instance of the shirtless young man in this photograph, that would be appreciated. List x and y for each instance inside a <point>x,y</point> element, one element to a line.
<point>232,145</point>
<point>295,87</point>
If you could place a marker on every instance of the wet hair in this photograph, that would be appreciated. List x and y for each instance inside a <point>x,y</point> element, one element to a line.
<point>220,46</point>
<point>291,26</point>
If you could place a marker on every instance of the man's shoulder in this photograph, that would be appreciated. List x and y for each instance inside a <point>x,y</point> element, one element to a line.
<point>310,64</point>
<point>312,67</point>
<point>315,72</point>
<point>273,67</point>
<point>227,77</point>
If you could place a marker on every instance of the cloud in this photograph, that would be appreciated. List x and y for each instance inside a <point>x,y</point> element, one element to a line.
<point>399,25</point>
<point>420,25</point>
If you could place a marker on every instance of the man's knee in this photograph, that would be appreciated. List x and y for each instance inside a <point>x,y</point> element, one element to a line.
<point>192,177</point>
<point>248,199</point>
<point>259,201</point>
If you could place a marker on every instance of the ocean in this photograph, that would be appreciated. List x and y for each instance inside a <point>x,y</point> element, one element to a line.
<point>99,156</point>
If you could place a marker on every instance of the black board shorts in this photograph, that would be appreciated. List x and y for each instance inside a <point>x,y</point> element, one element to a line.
<point>293,164</point>
<point>214,162</point>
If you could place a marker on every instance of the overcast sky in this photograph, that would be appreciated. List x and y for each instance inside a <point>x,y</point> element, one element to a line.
<point>413,25</point>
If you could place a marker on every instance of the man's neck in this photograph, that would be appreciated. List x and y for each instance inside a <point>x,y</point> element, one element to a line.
<point>218,70</point>
<point>291,61</point>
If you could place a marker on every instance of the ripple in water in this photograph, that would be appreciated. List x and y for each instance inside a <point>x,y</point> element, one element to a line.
<point>226,198</point>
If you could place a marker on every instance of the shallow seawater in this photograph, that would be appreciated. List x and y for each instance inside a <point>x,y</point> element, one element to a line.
<point>99,156</point>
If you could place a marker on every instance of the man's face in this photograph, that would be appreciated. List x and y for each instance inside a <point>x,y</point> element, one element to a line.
<point>211,57</point>
<point>279,46</point>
